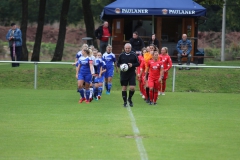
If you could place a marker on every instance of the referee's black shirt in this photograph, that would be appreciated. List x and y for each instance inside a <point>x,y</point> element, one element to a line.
<point>128,58</point>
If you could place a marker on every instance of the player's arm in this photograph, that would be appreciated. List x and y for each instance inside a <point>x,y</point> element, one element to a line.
<point>91,67</point>
<point>77,69</point>
<point>100,73</point>
<point>146,71</point>
<point>102,70</point>
<point>75,62</point>
<point>169,63</point>
<point>161,73</point>
<point>141,68</point>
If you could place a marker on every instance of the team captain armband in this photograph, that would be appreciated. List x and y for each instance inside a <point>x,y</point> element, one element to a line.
<point>90,62</point>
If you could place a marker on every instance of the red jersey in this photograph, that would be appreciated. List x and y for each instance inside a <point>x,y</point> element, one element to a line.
<point>105,35</point>
<point>154,69</point>
<point>140,59</point>
<point>167,62</point>
<point>142,66</point>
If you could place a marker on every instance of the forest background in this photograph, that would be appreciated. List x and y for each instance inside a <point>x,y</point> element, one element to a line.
<point>53,29</point>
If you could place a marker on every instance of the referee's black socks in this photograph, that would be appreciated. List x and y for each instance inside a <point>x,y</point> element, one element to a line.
<point>124,96</point>
<point>131,93</point>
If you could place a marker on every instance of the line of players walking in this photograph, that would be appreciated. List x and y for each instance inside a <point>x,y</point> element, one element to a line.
<point>93,68</point>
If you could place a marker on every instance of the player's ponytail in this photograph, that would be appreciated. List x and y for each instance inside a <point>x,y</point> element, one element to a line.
<point>87,51</point>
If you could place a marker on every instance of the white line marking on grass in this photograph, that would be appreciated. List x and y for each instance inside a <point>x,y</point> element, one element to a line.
<point>141,149</point>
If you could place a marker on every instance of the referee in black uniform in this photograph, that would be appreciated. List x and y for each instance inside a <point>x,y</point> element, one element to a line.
<point>129,77</point>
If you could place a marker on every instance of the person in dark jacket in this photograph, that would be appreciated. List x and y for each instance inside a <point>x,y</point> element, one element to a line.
<point>103,33</point>
<point>129,77</point>
<point>136,42</point>
<point>14,37</point>
<point>154,41</point>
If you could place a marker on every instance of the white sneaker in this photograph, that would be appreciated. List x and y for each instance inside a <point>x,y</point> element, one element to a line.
<point>159,93</point>
<point>163,93</point>
<point>143,96</point>
<point>140,93</point>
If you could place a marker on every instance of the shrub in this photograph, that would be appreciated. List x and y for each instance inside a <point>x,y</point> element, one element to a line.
<point>216,52</point>
<point>234,50</point>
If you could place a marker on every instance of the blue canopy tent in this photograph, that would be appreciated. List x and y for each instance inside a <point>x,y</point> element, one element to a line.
<point>174,8</point>
<point>168,19</point>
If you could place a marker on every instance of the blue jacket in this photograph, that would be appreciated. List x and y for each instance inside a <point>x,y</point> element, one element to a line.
<point>182,43</point>
<point>17,37</point>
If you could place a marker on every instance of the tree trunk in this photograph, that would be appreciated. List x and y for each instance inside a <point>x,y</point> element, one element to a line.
<point>89,22</point>
<point>23,28</point>
<point>38,38</point>
<point>62,31</point>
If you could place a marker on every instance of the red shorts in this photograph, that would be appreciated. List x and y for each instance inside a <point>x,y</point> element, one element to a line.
<point>153,83</point>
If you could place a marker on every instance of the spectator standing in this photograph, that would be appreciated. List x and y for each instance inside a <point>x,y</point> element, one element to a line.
<point>14,37</point>
<point>103,33</point>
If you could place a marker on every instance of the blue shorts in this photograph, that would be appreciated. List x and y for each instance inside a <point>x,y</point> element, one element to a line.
<point>109,72</point>
<point>85,77</point>
<point>99,79</point>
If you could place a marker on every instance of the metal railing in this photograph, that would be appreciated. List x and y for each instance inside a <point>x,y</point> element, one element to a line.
<point>69,63</point>
<point>194,66</point>
<point>35,67</point>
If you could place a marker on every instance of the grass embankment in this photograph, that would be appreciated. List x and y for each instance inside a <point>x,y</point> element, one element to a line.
<point>63,77</point>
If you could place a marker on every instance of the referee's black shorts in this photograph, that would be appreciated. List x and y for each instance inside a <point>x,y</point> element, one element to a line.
<point>131,81</point>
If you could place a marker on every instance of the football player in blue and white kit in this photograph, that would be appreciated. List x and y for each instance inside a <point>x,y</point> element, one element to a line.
<point>109,59</point>
<point>84,73</point>
<point>79,53</point>
<point>93,56</point>
<point>100,70</point>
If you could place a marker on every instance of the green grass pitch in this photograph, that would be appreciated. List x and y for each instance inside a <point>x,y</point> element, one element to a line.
<point>51,124</point>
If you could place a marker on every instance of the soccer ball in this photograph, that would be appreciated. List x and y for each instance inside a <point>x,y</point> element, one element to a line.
<point>124,67</point>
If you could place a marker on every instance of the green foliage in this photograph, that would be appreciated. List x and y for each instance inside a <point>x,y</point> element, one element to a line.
<point>231,53</point>
<point>210,2</point>
<point>234,50</point>
<point>1,48</point>
<point>216,52</point>
<point>10,10</point>
<point>215,12</point>
<point>214,16</point>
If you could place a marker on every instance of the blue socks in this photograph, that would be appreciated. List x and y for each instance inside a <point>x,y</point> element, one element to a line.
<point>106,85</point>
<point>109,87</point>
<point>100,91</point>
<point>81,91</point>
<point>87,94</point>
